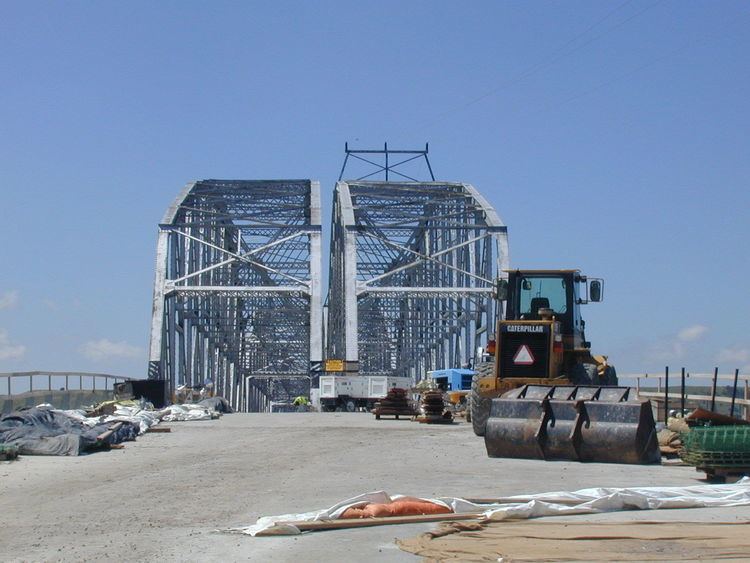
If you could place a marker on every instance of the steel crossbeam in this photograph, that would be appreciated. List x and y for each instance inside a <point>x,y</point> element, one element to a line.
<point>237,292</point>
<point>413,266</point>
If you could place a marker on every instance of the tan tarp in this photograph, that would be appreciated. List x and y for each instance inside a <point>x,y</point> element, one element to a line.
<point>574,541</point>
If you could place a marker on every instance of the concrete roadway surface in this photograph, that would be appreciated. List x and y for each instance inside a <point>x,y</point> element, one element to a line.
<point>163,496</point>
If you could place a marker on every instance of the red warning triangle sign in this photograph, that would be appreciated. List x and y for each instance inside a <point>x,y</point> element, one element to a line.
<point>523,356</point>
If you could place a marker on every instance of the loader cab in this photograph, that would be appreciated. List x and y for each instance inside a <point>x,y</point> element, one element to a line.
<point>562,291</point>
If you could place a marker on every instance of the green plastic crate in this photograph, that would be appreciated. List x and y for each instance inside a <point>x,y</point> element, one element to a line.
<point>718,439</point>
<point>717,446</point>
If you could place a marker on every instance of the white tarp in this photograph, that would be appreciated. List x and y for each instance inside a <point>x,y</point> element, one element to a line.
<point>75,414</point>
<point>142,418</point>
<point>187,412</point>
<point>584,501</point>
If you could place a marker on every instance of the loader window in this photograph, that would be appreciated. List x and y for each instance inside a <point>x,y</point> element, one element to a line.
<point>537,292</point>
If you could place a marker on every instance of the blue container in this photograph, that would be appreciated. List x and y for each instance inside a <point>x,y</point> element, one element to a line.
<point>453,379</point>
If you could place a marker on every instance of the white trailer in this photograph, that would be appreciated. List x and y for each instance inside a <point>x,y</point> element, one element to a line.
<point>350,392</point>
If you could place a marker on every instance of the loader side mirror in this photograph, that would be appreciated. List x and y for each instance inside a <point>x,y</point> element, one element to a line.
<point>595,290</point>
<point>502,290</point>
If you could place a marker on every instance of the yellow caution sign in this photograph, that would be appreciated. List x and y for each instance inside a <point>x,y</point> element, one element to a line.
<point>334,365</point>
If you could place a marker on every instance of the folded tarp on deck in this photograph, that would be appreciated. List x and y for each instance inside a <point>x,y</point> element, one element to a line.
<point>560,503</point>
<point>44,431</point>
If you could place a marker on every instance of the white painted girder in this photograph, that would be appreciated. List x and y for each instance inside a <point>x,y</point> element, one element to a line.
<point>413,268</point>
<point>237,284</point>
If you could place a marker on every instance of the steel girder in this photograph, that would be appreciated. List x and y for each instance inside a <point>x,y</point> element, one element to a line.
<point>237,294</point>
<point>413,267</point>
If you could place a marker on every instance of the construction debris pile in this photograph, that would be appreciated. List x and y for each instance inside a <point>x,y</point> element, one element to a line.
<point>44,430</point>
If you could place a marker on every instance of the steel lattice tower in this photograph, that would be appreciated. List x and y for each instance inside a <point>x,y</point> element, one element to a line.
<point>413,267</point>
<point>237,295</point>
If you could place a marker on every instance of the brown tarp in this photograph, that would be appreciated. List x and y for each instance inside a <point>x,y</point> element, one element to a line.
<point>580,541</point>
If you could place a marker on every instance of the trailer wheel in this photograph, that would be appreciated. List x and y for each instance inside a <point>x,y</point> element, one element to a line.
<point>351,406</point>
<point>479,407</point>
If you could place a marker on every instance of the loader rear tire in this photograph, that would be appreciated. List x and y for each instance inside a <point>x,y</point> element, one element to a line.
<point>479,407</point>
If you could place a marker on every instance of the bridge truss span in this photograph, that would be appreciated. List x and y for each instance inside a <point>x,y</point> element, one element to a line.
<point>413,267</point>
<point>237,293</point>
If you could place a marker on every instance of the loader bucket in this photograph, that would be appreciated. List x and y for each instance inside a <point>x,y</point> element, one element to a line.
<point>567,422</point>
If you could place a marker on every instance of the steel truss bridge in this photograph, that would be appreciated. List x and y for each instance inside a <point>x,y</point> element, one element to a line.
<point>412,270</point>
<point>238,298</point>
<point>237,293</point>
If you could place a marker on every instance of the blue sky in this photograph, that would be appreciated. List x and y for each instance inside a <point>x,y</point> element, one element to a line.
<point>610,136</point>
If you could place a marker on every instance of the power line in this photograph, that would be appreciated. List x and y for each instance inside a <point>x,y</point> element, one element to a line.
<point>633,71</point>
<point>554,56</point>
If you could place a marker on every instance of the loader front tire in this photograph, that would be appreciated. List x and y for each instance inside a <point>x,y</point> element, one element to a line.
<point>584,374</point>
<point>610,376</point>
<point>588,374</point>
<point>479,407</point>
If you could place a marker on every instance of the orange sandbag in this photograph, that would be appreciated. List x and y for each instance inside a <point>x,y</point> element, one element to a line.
<point>353,513</point>
<point>404,506</point>
<point>375,510</point>
<point>409,507</point>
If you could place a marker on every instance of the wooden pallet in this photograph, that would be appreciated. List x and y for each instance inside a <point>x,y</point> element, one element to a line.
<point>434,420</point>
<point>282,528</point>
<point>395,413</point>
<point>725,474</point>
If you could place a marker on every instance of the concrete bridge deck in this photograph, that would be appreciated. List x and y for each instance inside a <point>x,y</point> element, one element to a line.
<point>162,497</point>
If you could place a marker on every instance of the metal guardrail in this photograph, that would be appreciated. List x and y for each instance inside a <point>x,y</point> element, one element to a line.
<point>681,397</point>
<point>73,381</point>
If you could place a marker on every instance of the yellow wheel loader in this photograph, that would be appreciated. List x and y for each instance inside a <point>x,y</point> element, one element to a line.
<point>545,396</point>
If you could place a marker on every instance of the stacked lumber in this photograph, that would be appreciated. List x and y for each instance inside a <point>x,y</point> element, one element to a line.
<point>432,409</point>
<point>396,403</point>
